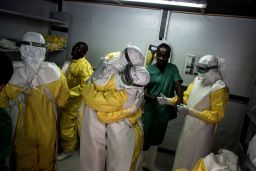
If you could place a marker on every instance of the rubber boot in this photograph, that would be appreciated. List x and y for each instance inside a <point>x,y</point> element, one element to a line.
<point>149,159</point>
<point>141,159</point>
<point>64,155</point>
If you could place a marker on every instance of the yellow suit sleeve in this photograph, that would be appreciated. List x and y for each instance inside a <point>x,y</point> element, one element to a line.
<point>111,117</point>
<point>185,95</point>
<point>150,58</point>
<point>63,93</point>
<point>104,101</point>
<point>187,92</point>
<point>3,99</point>
<point>218,99</point>
<point>85,71</point>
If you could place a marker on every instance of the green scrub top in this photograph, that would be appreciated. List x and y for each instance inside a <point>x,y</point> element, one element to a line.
<point>5,140</point>
<point>160,82</point>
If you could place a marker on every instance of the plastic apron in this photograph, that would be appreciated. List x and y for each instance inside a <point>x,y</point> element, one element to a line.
<point>196,136</point>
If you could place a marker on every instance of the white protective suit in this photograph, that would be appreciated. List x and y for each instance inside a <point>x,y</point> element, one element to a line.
<point>251,151</point>
<point>111,140</point>
<point>206,99</point>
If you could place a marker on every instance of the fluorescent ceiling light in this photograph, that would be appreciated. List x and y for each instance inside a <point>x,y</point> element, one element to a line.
<point>172,3</point>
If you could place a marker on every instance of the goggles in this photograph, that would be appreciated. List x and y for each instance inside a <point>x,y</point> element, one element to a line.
<point>31,44</point>
<point>152,48</point>
<point>203,68</point>
<point>127,57</point>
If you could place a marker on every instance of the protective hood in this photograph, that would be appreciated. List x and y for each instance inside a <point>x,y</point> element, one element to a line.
<point>32,50</point>
<point>131,56</point>
<point>213,74</point>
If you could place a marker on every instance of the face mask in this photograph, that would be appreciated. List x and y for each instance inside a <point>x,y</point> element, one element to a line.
<point>201,76</point>
<point>207,78</point>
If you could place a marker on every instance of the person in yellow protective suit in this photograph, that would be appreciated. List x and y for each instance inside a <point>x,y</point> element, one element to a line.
<point>204,105</point>
<point>225,160</point>
<point>78,71</point>
<point>34,92</point>
<point>111,139</point>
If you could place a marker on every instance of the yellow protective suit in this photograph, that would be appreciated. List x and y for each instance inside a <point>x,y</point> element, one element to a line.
<point>77,73</point>
<point>208,104</point>
<point>34,115</point>
<point>150,58</point>
<point>108,103</point>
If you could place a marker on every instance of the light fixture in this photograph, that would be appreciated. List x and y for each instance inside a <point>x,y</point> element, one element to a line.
<point>170,3</point>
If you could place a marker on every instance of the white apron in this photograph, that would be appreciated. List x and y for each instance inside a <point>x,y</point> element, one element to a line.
<point>196,136</point>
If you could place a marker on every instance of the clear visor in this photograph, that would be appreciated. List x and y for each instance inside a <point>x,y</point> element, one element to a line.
<point>127,78</point>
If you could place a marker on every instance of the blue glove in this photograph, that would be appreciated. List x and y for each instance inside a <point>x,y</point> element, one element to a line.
<point>183,109</point>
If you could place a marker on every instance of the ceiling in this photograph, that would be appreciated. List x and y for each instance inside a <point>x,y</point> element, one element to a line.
<point>246,8</point>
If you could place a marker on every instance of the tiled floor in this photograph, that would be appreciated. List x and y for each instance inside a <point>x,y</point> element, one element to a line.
<point>164,162</point>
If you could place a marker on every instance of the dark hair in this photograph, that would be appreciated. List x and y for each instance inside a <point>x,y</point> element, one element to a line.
<point>83,48</point>
<point>84,45</point>
<point>164,45</point>
<point>6,69</point>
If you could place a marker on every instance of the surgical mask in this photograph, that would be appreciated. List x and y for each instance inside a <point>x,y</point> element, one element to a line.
<point>209,77</point>
<point>205,78</point>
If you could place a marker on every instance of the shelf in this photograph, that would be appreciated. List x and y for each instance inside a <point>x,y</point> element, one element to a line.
<point>17,50</point>
<point>9,50</point>
<point>32,17</point>
<point>55,51</point>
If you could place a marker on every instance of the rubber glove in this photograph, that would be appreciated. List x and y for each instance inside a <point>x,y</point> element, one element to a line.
<point>163,100</point>
<point>183,109</point>
<point>139,98</point>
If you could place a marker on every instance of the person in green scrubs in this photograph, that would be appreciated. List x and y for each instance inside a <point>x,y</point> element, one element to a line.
<point>164,80</point>
<point>6,71</point>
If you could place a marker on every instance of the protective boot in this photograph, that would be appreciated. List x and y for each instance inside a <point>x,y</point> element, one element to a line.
<point>64,155</point>
<point>149,159</point>
<point>141,159</point>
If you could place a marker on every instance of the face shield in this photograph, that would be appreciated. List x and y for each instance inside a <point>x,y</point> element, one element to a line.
<point>33,50</point>
<point>136,76</point>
